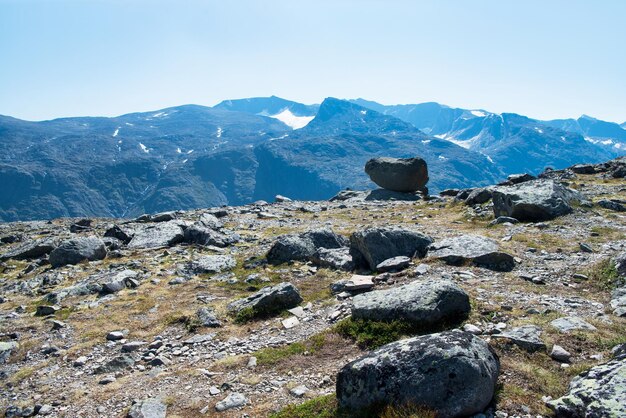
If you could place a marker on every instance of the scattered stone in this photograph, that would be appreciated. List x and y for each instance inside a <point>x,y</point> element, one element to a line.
<point>31,250</point>
<point>117,364</point>
<point>473,329</point>
<point>372,246</point>
<point>6,348</point>
<point>299,391</point>
<point>233,400</point>
<point>45,310</point>
<point>527,337</point>
<point>611,205</point>
<point>57,325</point>
<point>269,300</point>
<point>281,199</point>
<point>425,304</point>
<point>571,323</point>
<point>162,234</point>
<point>586,248</point>
<point>394,264</point>
<point>598,392</point>
<point>452,373</point>
<point>115,336</point>
<point>209,264</point>
<point>398,174</point>
<point>479,196</point>
<point>75,250</point>
<point>358,283</point>
<point>199,339</point>
<point>251,363</point>
<point>132,346</point>
<point>558,353</point>
<point>483,252</point>
<point>106,380</point>
<point>334,258</point>
<point>148,408</point>
<point>503,220</point>
<point>80,361</point>
<point>290,322</point>
<point>203,235</point>
<point>207,318</point>
<point>301,247</point>
<point>536,200</point>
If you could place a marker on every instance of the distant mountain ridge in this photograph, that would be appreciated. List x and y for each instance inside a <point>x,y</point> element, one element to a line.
<point>248,149</point>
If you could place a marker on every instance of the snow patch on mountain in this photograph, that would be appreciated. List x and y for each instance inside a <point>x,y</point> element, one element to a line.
<point>117,131</point>
<point>144,148</point>
<point>291,120</point>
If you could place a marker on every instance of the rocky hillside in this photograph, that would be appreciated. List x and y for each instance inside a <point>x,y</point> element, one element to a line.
<point>500,301</point>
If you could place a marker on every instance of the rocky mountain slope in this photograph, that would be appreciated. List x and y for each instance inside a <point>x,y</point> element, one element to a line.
<point>288,309</point>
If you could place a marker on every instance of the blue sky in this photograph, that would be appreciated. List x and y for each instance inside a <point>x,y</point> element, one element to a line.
<point>545,59</point>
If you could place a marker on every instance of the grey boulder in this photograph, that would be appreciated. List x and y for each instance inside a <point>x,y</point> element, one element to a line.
<point>203,235</point>
<point>334,258</point>
<point>527,337</point>
<point>452,373</point>
<point>208,264</point>
<point>598,392</point>
<point>75,250</point>
<point>148,408</point>
<point>269,300</point>
<point>571,323</point>
<point>156,235</point>
<point>207,318</point>
<point>398,174</point>
<point>426,304</point>
<point>300,247</point>
<point>536,200</point>
<point>6,348</point>
<point>30,250</point>
<point>481,251</point>
<point>372,246</point>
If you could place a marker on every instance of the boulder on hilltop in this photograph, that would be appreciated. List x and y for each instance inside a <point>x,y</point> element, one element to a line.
<point>404,175</point>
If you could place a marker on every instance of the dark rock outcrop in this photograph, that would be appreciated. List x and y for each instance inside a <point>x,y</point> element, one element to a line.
<point>303,246</point>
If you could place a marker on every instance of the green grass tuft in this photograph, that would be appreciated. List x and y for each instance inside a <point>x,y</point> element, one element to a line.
<point>373,334</point>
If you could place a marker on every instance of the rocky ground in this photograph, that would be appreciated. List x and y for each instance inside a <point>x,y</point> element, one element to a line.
<point>141,316</point>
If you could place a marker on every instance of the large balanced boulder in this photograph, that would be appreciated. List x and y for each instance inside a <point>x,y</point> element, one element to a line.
<point>372,246</point>
<point>536,200</point>
<point>425,304</point>
<point>398,174</point>
<point>452,373</point>
<point>75,250</point>
<point>269,300</point>
<point>301,247</point>
<point>598,392</point>
<point>481,251</point>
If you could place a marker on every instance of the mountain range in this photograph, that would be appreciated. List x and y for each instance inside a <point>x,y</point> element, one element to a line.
<point>244,150</point>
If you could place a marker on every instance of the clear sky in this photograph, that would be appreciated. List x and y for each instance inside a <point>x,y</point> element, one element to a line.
<point>542,58</point>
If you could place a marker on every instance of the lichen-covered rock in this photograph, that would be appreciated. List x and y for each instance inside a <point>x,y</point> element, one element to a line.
<point>422,303</point>
<point>203,235</point>
<point>398,174</point>
<point>372,246</point>
<point>481,251</point>
<point>536,200</point>
<point>75,250</point>
<point>269,300</point>
<point>452,373</point>
<point>598,392</point>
